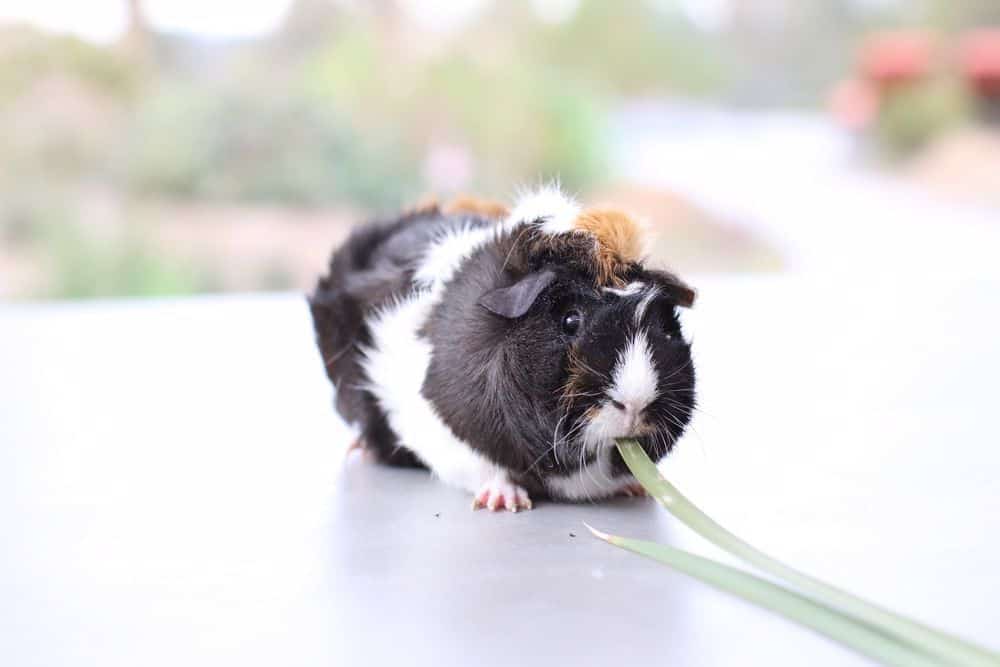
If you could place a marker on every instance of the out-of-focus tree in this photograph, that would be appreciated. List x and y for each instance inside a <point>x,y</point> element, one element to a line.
<point>960,14</point>
<point>477,93</point>
<point>309,25</point>
<point>137,40</point>
<point>631,48</point>
<point>246,144</point>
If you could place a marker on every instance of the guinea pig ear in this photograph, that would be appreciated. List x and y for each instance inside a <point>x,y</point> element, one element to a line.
<point>516,300</point>
<point>675,288</point>
<point>684,295</point>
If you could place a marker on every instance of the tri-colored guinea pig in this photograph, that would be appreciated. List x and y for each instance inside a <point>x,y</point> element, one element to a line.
<point>506,350</point>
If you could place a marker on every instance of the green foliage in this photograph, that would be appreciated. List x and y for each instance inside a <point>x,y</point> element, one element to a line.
<point>85,268</point>
<point>911,115</point>
<point>627,49</point>
<point>254,145</point>
<point>573,145</point>
<point>868,628</point>
<point>27,56</point>
<point>349,115</point>
<point>519,121</point>
<point>62,101</point>
<point>813,614</point>
<point>25,206</point>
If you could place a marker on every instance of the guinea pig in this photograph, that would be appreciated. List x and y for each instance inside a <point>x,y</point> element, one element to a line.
<point>506,350</point>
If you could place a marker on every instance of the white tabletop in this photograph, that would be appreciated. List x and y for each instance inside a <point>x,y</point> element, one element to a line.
<point>172,491</point>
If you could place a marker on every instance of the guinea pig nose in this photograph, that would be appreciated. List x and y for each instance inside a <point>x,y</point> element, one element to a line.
<point>634,408</point>
<point>631,408</point>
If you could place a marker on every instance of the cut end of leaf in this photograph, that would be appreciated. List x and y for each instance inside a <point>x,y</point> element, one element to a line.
<point>596,533</point>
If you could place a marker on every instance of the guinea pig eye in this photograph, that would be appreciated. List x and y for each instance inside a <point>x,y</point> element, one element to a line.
<point>571,322</point>
<point>671,327</point>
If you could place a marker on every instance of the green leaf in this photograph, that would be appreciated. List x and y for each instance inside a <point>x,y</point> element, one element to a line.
<point>793,606</point>
<point>948,647</point>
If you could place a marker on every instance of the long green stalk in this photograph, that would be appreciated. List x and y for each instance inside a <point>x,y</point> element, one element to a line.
<point>950,648</point>
<point>793,606</point>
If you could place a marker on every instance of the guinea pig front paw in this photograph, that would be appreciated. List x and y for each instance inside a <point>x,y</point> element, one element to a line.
<point>499,493</point>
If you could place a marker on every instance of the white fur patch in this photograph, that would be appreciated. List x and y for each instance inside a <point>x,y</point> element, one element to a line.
<point>445,255</point>
<point>590,482</point>
<point>556,210</point>
<point>635,379</point>
<point>640,309</point>
<point>633,287</point>
<point>602,428</point>
<point>396,364</point>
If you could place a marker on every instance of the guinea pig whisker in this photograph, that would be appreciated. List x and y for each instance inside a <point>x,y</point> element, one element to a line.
<point>657,437</point>
<point>667,440</point>
<point>590,369</point>
<point>671,414</point>
<point>555,437</point>
<point>607,478</point>
<point>674,402</point>
<point>689,408</point>
<point>678,391</point>
<point>590,473</point>
<point>583,466</point>
<point>662,437</point>
<point>570,398</point>
<point>682,385</point>
<point>543,455</point>
<point>563,389</point>
<point>683,367</point>
<point>673,420</point>
<point>679,369</point>
<point>556,441</point>
<point>338,354</point>
<point>552,449</point>
<point>570,436</point>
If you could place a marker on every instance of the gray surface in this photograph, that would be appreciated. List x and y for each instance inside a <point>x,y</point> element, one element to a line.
<point>172,491</point>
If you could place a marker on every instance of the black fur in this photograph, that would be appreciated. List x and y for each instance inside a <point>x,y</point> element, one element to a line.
<point>373,267</point>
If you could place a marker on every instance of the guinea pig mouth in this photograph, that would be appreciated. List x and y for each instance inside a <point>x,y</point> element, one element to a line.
<point>637,431</point>
<point>608,422</point>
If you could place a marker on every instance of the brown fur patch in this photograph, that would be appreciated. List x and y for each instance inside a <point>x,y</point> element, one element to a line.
<point>532,248</point>
<point>476,206</point>
<point>426,204</point>
<point>618,242</point>
<point>575,370</point>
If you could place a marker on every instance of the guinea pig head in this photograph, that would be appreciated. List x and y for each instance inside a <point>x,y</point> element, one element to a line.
<point>602,362</point>
<point>629,371</point>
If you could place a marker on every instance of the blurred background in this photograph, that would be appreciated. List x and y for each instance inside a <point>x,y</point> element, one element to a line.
<point>163,147</point>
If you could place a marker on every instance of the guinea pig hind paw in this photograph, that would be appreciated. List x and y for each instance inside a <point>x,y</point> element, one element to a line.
<point>357,443</point>
<point>633,490</point>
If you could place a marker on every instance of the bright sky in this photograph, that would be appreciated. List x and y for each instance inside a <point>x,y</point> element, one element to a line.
<point>104,20</point>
